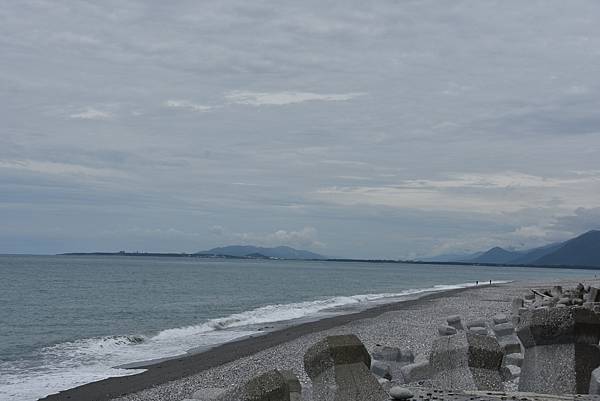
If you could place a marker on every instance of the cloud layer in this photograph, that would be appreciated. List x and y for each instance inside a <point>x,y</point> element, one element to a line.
<point>361,129</point>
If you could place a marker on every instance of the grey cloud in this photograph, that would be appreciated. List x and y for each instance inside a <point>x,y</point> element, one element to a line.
<point>476,89</point>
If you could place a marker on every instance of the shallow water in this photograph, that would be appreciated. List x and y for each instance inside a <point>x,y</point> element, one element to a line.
<point>68,320</point>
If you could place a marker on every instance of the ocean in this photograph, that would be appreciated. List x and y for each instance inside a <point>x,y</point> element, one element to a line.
<point>69,320</point>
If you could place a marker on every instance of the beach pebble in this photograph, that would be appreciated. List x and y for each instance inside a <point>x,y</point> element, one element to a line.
<point>400,393</point>
<point>446,330</point>
<point>208,394</point>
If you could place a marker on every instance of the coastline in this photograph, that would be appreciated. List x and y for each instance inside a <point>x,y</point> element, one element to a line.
<point>183,366</point>
<point>409,323</point>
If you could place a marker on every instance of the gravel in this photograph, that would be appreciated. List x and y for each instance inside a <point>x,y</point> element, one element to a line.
<point>414,328</point>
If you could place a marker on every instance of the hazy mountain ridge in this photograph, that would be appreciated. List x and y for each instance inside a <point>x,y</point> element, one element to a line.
<point>280,252</point>
<point>583,250</point>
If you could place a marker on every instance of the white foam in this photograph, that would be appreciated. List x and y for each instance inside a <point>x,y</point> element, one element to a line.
<point>70,364</point>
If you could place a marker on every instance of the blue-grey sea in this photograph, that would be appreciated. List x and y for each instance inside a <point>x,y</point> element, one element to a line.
<point>69,320</point>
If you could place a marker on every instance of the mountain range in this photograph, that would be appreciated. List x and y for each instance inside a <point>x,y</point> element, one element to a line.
<point>583,250</point>
<point>249,251</point>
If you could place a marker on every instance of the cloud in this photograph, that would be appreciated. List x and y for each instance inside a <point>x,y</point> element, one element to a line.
<point>307,237</point>
<point>493,193</point>
<point>285,98</point>
<point>57,168</point>
<point>508,179</point>
<point>187,105</point>
<point>91,113</point>
<point>581,220</point>
<point>388,127</point>
<point>217,230</point>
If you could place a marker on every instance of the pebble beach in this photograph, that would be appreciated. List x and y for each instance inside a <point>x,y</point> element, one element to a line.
<point>413,326</point>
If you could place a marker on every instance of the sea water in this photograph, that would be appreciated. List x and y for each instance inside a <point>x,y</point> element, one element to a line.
<point>70,320</point>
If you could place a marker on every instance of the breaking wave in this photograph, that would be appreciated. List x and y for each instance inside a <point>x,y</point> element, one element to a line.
<point>74,363</point>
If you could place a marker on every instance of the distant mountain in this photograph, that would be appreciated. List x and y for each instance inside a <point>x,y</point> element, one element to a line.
<point>280,252</point>
<point>452,257</point>
<point>581,251</point>
<point>496,255</point>
<point>532,255</point>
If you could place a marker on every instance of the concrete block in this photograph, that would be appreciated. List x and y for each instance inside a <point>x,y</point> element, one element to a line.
<point>339,369</point>
<point>385,353</point>
<point>500,318</point>
<point>466,361</point>
<point>513,359</point>
<point>269,386</point>
<point>504,329</point>
<point>416,372</point>
<point>446,330</point>
<point>381,369</point>
<point>455,321</point>
<point>595,382</point>
<point>561,349</point>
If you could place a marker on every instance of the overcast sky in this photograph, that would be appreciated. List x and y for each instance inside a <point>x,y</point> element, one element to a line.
<point>393,129</point>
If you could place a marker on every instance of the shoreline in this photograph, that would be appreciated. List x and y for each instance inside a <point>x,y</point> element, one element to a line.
<point>176,368</point>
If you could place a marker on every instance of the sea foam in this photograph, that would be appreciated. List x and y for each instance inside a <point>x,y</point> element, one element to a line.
<point>74,363</point>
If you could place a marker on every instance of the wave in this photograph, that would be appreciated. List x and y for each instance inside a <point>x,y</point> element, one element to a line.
<point>286,312</point>
<point>73,363</point>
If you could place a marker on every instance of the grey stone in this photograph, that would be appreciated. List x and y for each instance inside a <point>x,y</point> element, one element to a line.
<point>549,301</point>
<point>385,353</point>
<point>406,356</point>
<point>564,301</point>
<point>339,369</point>
<point>593,295</point>
<point>269,386</point>
<point>400,393</point>
<point>561,349</point>
<point>513,359</point>
<point>481,331</point>
<point>556,291</point>
<point>500,318</point>
<point>476,323</point>
<point>293,384</point>
<point>446,330</point>
<point>504,329</point>
<point>510,372</point>
<point>393,354</point>
<point>208,394</point>
<point>466,361</point>
<point>593,306</point>
<point>455,321</point>
<point>393,359</point>
<point>517,303</point>
<point>416,372</point>
<point>381,369</point>
<point>510,344</point>
<point>595,382</point>
<point>505,374</point>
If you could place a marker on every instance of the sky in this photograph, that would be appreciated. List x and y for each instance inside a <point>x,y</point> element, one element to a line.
<point>367,129</point>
